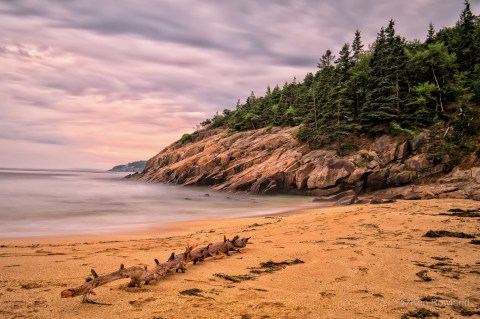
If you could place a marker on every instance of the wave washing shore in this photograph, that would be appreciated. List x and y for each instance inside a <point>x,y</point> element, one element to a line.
<point>72,202</point>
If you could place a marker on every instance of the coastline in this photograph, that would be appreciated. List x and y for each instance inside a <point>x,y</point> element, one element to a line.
<point>165,229</point>
<point>359,261</point>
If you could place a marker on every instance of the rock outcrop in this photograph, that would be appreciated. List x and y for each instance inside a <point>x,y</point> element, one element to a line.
<point>273,161</point>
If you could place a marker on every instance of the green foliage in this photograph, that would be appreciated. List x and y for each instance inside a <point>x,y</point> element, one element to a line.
<point>467,121</point>
<point>394,87</point>
<point>387,83</point>
<point>187,138</point>
<point>311,135</point>
<point>206,122</point>
<point>396,129</point>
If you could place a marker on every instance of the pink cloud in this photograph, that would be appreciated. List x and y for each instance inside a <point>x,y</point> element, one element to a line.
<point>93,85</point>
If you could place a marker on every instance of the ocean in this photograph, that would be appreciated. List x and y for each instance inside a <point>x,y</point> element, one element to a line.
<point>37,202</point>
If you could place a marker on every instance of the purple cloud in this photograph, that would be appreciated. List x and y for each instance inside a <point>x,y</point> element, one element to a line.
<point>102,83</point>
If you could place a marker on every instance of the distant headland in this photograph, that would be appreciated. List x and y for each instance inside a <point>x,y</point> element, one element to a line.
<point>137,166</point>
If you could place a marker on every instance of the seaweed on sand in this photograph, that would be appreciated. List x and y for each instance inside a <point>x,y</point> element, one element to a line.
<point>446,233</point>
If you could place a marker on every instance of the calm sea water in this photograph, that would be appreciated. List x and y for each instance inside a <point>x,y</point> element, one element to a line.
<point>56,202</point>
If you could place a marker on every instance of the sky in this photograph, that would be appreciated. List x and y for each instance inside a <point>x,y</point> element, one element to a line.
<point>93,84</point>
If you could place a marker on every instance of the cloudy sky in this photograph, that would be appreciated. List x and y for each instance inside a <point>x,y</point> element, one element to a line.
<point>99,83</point>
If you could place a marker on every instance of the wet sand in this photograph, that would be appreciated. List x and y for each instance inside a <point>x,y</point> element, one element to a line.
<point>359,261</point>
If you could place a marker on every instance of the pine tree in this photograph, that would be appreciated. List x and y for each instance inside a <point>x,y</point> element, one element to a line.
<point>359,76</point>
<point>467,54</point>
<point>357,46</point>
<point>344,61</point>
<point>394,85</point>
<point>338,118</point>
<point>386,82</point>
<point>430,34</point>
<point>326,60</point>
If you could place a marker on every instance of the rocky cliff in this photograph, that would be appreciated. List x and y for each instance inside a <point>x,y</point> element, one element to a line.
<point>271,161</point>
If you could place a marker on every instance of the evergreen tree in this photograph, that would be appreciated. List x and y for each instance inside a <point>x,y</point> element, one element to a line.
<point>395,85</point>
<point>377,107</point>
<point>387,82</point>
<point>338,118</point>
<point>430,34</point>
<point>467,51</point>
<point>326,60</point>
<point>359,76</point>
<point>357,46</point>
<point>344,61</point>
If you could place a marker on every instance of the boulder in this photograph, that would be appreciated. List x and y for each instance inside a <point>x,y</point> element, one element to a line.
<point>356,175</point>
<point>318,157</point>
<point>328,175</point>
<point>335,197</point>
<point>458,194</point>
<point>385,148</point>
<point>402,150</point>
<point>377,179</point>
<point>302,175</point>
<point>457,176</point>
<point>347,200</point>
<point>475,194</point>
<point>264,186</point>
<point>416,142</point>
<point>411,195</point>
<point>437,169</point>
<point>358,159</point>
<point>378,200</point>
<point>323,192</point>
<point>475,174</point>
<point>397,168</point>
<point>418,163</point>
<point>401,178</point>
<point>372,164</point>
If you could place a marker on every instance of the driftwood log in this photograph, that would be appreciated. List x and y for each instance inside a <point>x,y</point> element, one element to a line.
<point>135,272</point>
<point>139,274</point>
<point>221,249</point>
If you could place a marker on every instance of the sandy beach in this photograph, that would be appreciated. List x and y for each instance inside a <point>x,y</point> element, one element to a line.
<point>357,261</point>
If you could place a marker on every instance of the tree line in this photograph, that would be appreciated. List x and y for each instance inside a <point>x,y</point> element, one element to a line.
<point>393,87</point>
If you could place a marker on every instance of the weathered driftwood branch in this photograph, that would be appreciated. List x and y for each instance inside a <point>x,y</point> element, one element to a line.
<point>221,249</point>
<point>199,254</point>
<point>139,274</point>
<point>87,288</point>
<point>241,242</point>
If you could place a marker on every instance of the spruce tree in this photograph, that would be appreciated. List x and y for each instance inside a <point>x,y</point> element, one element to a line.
<point>386,82</point>
<point>336,120</point>
<point>344,61</point>
<point>326,60</point>
<point>357,46</point>
<point>430,34</point>
<point>395,84</point>
<point>467,54</point>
